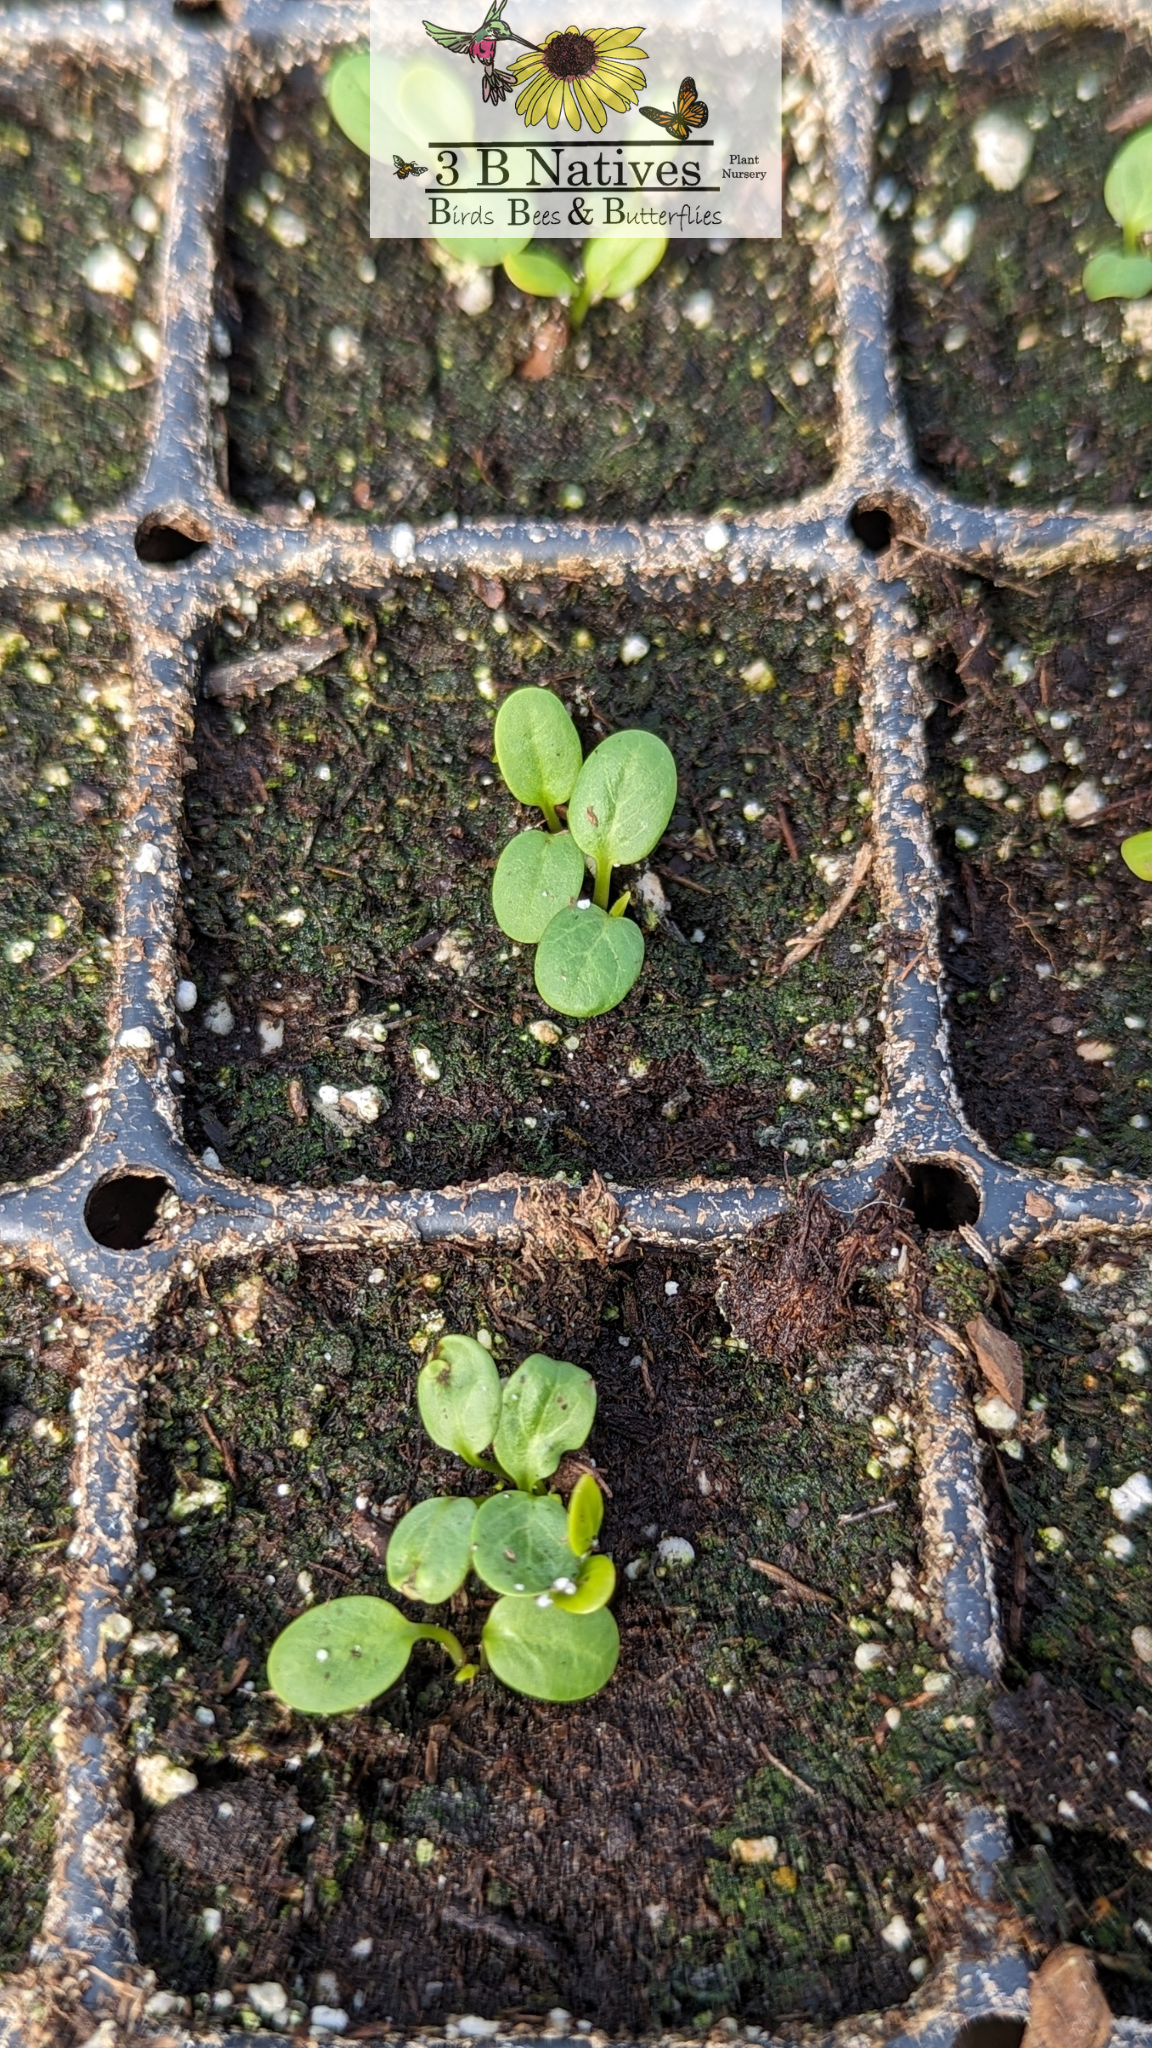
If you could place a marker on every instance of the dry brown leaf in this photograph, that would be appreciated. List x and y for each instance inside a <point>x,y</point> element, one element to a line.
<point>999,1359</point>
<point>1067,2007</point>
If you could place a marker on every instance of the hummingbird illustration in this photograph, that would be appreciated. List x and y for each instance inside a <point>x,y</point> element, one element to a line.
<point>480,46</point>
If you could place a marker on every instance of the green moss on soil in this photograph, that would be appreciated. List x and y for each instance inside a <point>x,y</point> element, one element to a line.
<point>74,363</point>
<point>65,706</point>
<point>365,803</point>
<point>1056,934</point>
<point>1019,389</point>
<point>647,413</point>
<point>37,1365</point>
<point>602,1832</point>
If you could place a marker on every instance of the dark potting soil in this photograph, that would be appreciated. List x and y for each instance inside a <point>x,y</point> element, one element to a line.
<point>450,1851</point>
<point>78,185</point>
<point>355,375</point>
<point>342,834</point>
<point>1072,1747</point>
<point>65,708</point>
<point>1018,388</point>
<point>39,1360</point>
<point>1045,717</point>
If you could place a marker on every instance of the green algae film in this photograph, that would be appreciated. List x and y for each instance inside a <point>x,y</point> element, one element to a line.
<point>356,377</point>
<point>1020,390</point>
<point>80,150</point>
<point>596,1842</point>
<point>38,1361</point>
<point>1041,771</point>
<point>65,710</point>
<point>342,834</point>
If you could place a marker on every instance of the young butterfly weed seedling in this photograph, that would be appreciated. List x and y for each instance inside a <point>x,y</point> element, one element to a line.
<point>618,803</point>
<point>549,1634</point>
<point>1126,272</point>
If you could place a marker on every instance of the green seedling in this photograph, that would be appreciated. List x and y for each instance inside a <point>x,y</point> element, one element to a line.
<point>618,804</point>
<point>1136,853</point>
<point>1126,272</point>
<point>550,1634</point>
<point>611,267</point>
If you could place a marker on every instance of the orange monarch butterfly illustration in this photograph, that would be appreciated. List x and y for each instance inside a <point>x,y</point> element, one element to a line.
<point>690,112</point>
<point>404,170</point>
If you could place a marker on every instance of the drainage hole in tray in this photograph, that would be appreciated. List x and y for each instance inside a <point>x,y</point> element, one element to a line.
<point>939,1196</point>
<point>121,1210</point>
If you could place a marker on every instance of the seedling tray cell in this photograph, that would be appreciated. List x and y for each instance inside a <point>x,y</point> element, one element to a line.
<point>342,834</point>
<point>357,375</point>
<point>1017,386</point>
<point>1040,739</point>
<point>39,1358</point>
<point>1072,1578</point>
<point>66,692</point>
<point>452,1861</point>
<point>81,150</point>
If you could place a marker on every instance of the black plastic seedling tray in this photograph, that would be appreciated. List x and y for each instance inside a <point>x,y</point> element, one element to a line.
<point>167,560</point>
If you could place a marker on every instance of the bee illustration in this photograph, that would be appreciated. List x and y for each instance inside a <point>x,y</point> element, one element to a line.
<point>690,112</point>
<point>404,170</point>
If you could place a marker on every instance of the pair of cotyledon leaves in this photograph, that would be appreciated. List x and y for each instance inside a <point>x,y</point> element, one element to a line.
<point>1126,273</point>
<point>619,802</point>
<point>523,1544</point>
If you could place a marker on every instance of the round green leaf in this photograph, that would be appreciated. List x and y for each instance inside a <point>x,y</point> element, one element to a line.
<point>1136,853</point>
<point>537,874</point>
<point>587,961</point>
<point>484,249</point>
<point>1128,186</point>
<point>548,1653</point>
<point>340,1655</point>
<point>585,1514</point>
<point>520,1543</point>
<point>458,1394</point>
<point>1111,274</point>
<point>537,747</point>
<point>624,796</point>
<point>540,273</point>
<point>348,93</point>
<point>431,1549</point>
<point>614,265</point>
<point>594,1588</point>
<point>548,1407</point>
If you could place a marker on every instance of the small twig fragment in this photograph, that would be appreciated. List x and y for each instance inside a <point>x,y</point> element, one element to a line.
<point>799,948</point>
<point>786,1772</point>
<point>796,1587</point>
<point>882,1507</point>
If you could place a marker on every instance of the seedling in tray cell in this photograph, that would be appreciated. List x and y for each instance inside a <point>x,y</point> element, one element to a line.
<point>611,265</point>
<point>1126,272</point>
<point>550,1633</point>
<point>618,804</point>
